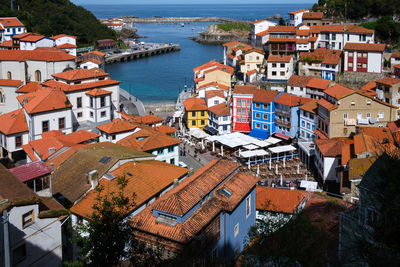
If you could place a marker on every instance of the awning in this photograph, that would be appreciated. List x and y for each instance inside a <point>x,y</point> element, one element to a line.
<point>271,140</point>
<point>282,149</point>
<point>253,153</point>
<point>260,134</point>
<point>196,132</point>
<point>250,147</point>
<point>211,130</point>
<point>285,137</point>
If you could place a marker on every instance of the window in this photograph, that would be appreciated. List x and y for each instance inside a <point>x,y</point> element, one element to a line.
<point>172,161</point>
<point>91,114</point>
<point>381,115</point>
<point>364,65</point>
<point>171,149</point>
<point>265,127</point>
<point>103,114</point>
<point>45,126</point>
<point>368,115</point>
<point>345,116</point>
<point>365,55</point>
<point>79,102</point>
<point>193,114</point>
<point>345,131</point>
<point>27,219</point>
<point>353,103</point>
<point>91,102</point>
<point>282,65</point>
<point>303,123</point>
<point>333,36</point>
<point>274,73</point>
<point>238,102</point>
<point>9,75</point>
<point>202,122</point>
<point>368,102</point>
<point>102,101</point>
<point>248,206</point>
<point>348,37</point>
<point>308,125</point>
<point>350,65</point>
<point>216,102</point>
<point>113,137</point>
<point>257,105</point>
<point>160,151</point>
<point>282,73</point>
<point>202,113</point>
<point>38,76</point>
<point>257,115</point>
<point>18,141</point>
<point>257,126</point>
<point>265,116</point>
<point>61,123</point>
<point>193,122</point>
<point>359,54</point>
<point>274,65</point>
<point>18,254</point>
<point>2,97</point>
<point>243,102</point>
<point>311,116</point>
<point>236,230</point>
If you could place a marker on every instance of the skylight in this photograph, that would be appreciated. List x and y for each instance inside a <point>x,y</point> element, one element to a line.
<point>105,159</point>
<point>226,192</point>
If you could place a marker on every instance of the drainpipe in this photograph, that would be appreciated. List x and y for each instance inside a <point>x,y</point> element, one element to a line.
<point>50,186</point>
<point>7,261</point>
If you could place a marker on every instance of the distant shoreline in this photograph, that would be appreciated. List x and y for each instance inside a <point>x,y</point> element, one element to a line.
<point>175,19</point>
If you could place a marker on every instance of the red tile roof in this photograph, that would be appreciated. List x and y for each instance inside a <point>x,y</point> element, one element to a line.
<point>302,32</point>
<point>251,72</point>
<point>146,179</point>
<point>282,40</point>
<point>232,43</point>
<point>340,28</point>
<point>311,106</point>
<point>80,74</point>
<point>279,200</point>
<point>11,22</point>
<point>31,37</point>
<point>365,47</point>
<point>8,43</point>
<point>207,65</point>
<point>78,87</point>
<point>62,35</point>
<point>263,33</point>
<point>388,81</point>
<point>214,93</point>
<point>318,83</point>
<point>47,99</point>
<point>298,11</point>
<point>78,137</point>
<point>12,83</point>
<point>148,140</point>
<point>370,85</point>
<point>214,84</point>
<point>29,88</point>
<point>31,171</point>
<point>95,61</point>
<point>13,122</point>
<point>301,81</point>
<point>325,56</point>
<point>98,92</point>
<point>330,147</point>
<point>258,21</point>
<point>278,58</point>
<point>221,67</point>
<point>39,54</point>
<point>96,53</point>
<point>247,89</point>
<point>117,126</point>
<point>328,105</point>
<point>193,104</point>
<point>313,15</point>
<point>165,129</point>
<point>338,91</point>
<point>291,100</point>
<point>290,29</point>
<point>265,96</point>
<point>220,109</point>
<point>66,46</point>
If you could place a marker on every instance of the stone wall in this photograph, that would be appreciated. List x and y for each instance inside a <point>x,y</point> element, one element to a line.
<point>357,79</point>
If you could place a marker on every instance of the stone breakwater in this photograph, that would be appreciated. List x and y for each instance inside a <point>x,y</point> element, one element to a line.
<point>175,19</point>
<point>214,35</point>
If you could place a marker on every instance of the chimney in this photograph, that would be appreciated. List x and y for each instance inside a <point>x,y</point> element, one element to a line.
<point>52,166</point>
<point>25,101</point>
<point>52,150</point>
<point>176,182</point>
<point>92,178</point>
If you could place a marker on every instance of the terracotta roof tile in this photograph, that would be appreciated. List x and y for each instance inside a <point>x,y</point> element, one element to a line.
<point>221,67</point>
<point>8,43</point>
<point>338,91</point>
<point>247,89</point>
<point>207,65</point>
<point>66,46</point>
<point>296,80</point>
<point>39,54</point>
<point>302,32</point>
<point>282,40</point>
<point>291,100</point>
<point>220,109</point>
<point>258,21</point>
<point>279,200</point>
<point>290,29</point>
<point>325,56</point>
<point>31,171</point>
<point>146,179</point>
<point>369,86</point>
<point>98,92</point>
<point>193,104</point>
<point>95,61</point>
<point>165,129</point>
<point>330,147</point>
<point>328,105</point>
<point>298,11</point>
<point>231,43</point>
<point>388,81</point>
<point>96,53</point>
<point>214,84</point>
<point>31,37</point>
<point>394,126</point>
<point>311,106</point>
<point>43,100</point>
<point>62,35</point>
<point>365,47</point>
<point>214,93</point>
<point>12,83</point>
<point>11,22</point>
<point>29,88</point>
<point>358,167</point>
<point>313,15</point>
<point>251,72</point>
<point>318,83</point>
<point>29,152</point>
<point>340,28</point>
<point>148,140</point>
<point>117,126</point>
<point>265,96</point>
<point>78,87</point>
<point>13,122</point>
<point>263,33</point>
<point>80,74</point>
<point>278,58</point>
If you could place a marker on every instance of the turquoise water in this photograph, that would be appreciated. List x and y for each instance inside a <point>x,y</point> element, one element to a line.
<point>158,78</point>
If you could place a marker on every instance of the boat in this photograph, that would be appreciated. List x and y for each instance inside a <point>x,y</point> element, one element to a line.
<point>182,24</point>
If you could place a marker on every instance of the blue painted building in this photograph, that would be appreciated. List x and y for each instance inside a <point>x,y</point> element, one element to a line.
<point>287,115</point>
<point>212,210</point>
<point>262,123</point>
<point>11,26</point>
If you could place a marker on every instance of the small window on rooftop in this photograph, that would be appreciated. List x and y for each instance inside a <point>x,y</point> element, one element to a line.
<point>226,192</point>
<point>130,174</point>
<point>105,159</point>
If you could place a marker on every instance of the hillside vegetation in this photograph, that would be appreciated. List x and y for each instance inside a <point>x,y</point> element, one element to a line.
<point>52,17</point>
<point>231,26</point>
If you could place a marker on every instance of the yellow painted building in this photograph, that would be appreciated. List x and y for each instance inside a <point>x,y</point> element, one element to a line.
<point>196,115</point>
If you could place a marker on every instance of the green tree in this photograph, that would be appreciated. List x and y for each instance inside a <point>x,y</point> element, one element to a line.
<point>282,22</point>
<point>107,238</point>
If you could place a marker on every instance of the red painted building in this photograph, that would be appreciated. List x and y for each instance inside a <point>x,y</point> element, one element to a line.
<point>361,57</point>
<point>242,98</point>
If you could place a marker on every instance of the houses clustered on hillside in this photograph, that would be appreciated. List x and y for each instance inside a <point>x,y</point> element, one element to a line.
<point>63,133</point>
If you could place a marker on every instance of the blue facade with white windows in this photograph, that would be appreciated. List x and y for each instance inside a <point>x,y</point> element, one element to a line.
<point>287,120</point>
<point>263,124</point>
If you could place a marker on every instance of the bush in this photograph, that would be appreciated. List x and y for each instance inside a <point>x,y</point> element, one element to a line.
<point>241,26</point>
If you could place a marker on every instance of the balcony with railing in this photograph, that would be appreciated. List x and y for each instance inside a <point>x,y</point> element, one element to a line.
<point>283,122</point>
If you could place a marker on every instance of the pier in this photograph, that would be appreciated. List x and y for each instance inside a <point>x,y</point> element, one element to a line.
<point>130,54</point>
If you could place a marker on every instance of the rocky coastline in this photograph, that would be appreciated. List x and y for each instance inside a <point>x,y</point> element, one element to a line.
<point>214,35</point>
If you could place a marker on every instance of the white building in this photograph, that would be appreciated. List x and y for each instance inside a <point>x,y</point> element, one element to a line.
<point>257,27</point>
<point>215,97</point>
<point>66,42</point>
<point>279,68</point>
<point>394,59</point>
<point>36,233</point>
<point>219,119</point>
<point>46,110</point>
<point>212,86</point>
<point>12,26</point>
<point>116,130</point>
<point>296,17</point>
<point>93,95</point>
<point>360,57</point>
<point>36,65</point>
<point>307,125</point>
<point>321,63</point>
<point>31,41</point>
<point>8,95</point>
<point>13,134</point>
<point>328,154</point>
